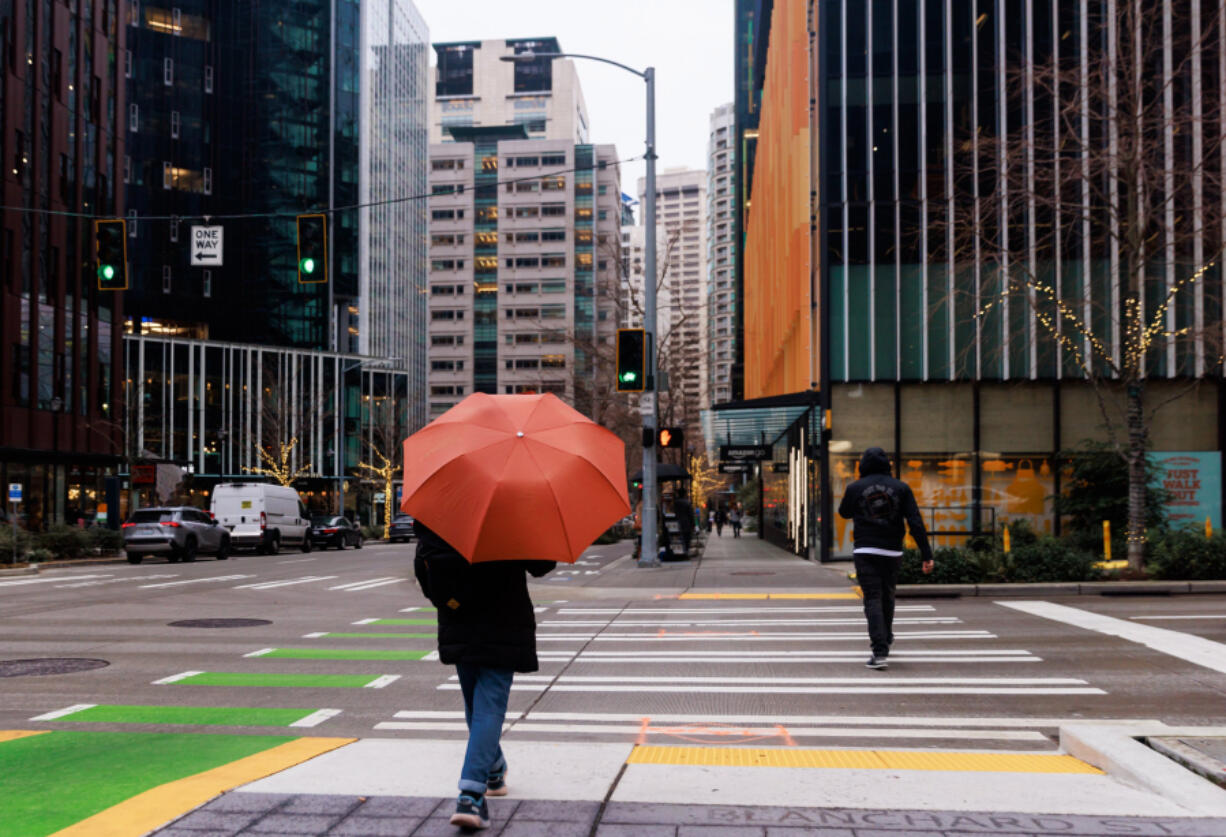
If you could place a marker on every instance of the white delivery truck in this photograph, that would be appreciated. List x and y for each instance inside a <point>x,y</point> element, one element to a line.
<point>262,515</point>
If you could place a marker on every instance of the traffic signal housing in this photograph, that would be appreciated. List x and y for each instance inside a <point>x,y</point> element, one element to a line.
<point>670,437</point>
<point>631,360</point>
<point>312,249</point>
<point>111,254</point>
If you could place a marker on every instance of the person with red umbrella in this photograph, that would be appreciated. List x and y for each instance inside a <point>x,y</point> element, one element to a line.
<point>502,486</point>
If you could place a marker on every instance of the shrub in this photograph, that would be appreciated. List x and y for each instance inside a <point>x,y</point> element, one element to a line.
<point>1050,559</point>
<point>952,566</point>
<point>103,540</point>
<point>39,556</point>
<point>1097,490</point>
<point>371,533</point>
<point>63,541</point>
<point>1186,554</point>
<point>6,543</point>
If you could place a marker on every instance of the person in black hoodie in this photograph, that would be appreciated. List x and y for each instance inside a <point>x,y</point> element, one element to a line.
<point>487,630</point>
<point>882,507</point>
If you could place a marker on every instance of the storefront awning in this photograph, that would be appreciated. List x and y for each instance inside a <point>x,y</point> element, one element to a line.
<point>755,421</point>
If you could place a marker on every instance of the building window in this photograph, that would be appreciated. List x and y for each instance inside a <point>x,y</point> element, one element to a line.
<point>455,71</point>
<point>168,71</point>
<point>174,229</point>
<point>207,287</point>
<point>131,223</point>
<point>553,159</point>
<point>127,63</point>
<point>134,117</point>
<point>208,180</point>
<point>167,175</point>
<point>176,18</point>
<point>174,124</point>
<point>208,78</point>
<point>127,168</point>
<point>165,278</point>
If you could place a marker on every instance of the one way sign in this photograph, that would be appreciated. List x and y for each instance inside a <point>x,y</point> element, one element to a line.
<point>206,246</point>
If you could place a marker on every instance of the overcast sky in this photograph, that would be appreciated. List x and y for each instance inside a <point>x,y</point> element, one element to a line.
<point>689,42</point>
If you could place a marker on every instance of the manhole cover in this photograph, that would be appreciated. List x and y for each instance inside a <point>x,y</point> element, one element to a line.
<point>753,572</point>
<point>220,623</point>
<point>50,665</point>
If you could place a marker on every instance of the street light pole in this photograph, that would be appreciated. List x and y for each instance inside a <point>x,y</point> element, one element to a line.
<point>649,551</point>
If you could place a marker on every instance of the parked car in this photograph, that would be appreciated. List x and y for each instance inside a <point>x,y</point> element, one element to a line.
<point>335,531</point>
<point>262,515</point>
<point>179,532</point>
<point>401,530</point>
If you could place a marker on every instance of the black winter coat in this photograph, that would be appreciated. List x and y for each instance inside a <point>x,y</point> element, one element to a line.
<point>485,616</point>
<point>881,507</point>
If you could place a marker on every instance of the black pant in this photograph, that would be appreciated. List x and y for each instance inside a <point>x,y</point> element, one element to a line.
<point>877,575</point>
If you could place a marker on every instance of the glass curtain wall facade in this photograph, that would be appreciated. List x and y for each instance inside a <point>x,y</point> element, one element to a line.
<point>394,150</point>
<point>61,146</point>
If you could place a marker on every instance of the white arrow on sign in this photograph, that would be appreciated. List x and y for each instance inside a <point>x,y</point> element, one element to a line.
<point>206,246</point>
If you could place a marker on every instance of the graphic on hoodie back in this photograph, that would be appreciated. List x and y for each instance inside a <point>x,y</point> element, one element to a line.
<point>879,503</point>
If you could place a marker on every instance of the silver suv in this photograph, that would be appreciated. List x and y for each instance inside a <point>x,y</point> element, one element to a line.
<point>180,533</point>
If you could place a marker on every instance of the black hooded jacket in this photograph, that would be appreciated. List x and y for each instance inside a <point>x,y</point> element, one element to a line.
<point>485,616</point>
<point>882,507</point>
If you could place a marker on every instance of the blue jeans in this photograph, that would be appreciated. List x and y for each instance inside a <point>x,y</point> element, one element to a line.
<point>486,691</point>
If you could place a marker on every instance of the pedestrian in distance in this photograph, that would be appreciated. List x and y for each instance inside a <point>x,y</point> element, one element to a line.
<point>721,517</point>
<point>882,509</point>
<point>710,520</point>
<point>487,630</point>
<point>734,517</point>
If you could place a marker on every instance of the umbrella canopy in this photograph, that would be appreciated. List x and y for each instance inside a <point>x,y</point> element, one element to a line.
<point>506,477</point>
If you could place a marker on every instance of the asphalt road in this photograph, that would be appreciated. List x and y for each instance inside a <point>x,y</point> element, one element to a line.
<point>349,633</point>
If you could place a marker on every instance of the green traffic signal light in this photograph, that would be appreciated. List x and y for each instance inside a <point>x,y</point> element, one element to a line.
<point>308,265</point>
<point>631,360</point>
<point>312,248</point>
<point>108,271</point>
<point>629,377</point>
<point>111,254</point>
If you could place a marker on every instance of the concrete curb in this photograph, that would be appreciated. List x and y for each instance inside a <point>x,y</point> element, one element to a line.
<point>1116,751</point>
<point>11,571</point>
<point>1068,588</point>
<point>1190,757</point>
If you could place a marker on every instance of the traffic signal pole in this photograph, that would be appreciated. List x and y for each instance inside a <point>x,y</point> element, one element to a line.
<point>649,554</point>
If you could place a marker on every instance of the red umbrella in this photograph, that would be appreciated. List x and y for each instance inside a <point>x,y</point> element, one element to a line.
<point>506,477</point>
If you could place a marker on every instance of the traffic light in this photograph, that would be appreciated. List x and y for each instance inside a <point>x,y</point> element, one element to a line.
<point>631,360</point>
<point>312,249</point>
<point>111,254</point>
<point>671,437</point>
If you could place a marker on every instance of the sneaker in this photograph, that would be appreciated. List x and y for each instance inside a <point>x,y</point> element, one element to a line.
<point>471,812</point>
<point>877,663</point>
<point>496,784</point>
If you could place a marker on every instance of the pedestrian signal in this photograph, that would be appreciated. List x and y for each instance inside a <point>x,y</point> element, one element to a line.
<point>631,360</point>
<point>671,437</point>
<point>312,249</point>
<point>111,254</point>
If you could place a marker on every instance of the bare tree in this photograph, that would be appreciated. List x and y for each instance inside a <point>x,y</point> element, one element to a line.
<point>1084,236</point>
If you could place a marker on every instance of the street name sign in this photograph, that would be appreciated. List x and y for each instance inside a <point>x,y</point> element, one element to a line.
<point>743,452</point>
<point>206,246</point>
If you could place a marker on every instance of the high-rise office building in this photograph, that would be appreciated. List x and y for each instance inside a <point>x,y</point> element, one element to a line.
<point>61,146</point>
<point>245,116</point>
<point>523,238</point>
<point>721,256</point>
<point>475,87</point>
<point>681,296</point>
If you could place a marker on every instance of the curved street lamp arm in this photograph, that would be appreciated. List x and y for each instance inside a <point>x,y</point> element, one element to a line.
<point>528,56</point>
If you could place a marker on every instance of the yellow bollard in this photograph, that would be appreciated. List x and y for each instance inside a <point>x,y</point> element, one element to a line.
<point>1208,527</point>
<point>1106,540</point>
<point>1005,538</point>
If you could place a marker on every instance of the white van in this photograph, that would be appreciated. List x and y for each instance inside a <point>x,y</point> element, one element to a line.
<point>262,515</point>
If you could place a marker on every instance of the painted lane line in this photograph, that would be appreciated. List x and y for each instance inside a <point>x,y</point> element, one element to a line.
<point>789,720</point>
<point>801,690</point>
<point>705,655</point>
<point>1187,647</point>
<point>51,579</point>
<point>712,611</point>
<point>175,678</point>
<point>769,732</point>
<point>195,581</point>
<point>269,585</point>
<point>67,710</point>
<point>801,681</point>
<point>260,653</point>
<point>1190,616</point>
<point>409,609</point>
<point>349,584</point>
<point>117,580</point>
<point>776,636</point>
<point>297,560</point>
<point>375,584</point>
<point>370,621</point>
<point>381,682</point>
<point>316,718</point>
<point>809,660</point>
<point>431,657</point>
<point>687,623</point>
<point>315,635</point>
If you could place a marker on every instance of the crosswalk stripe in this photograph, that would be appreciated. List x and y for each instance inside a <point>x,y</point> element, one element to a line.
<point>62,713</point>
<point>691,623</point>
<point>797,681</point>
<point>715,611</point>
<point>804,690</point>
<point>51,579</point>
<point>367,583</point>
<point>196,581</point>
<point>269,585</point>
<point>175,678</point>
<point>382,682</point>
<point>786,720</point>
<point>316,718</point>
<point>763,636</point>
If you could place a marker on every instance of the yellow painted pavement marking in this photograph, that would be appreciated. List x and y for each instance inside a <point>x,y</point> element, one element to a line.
<point>854,594</point>
<point>861,759</point>
<point>158,806</point>
<point>14,734</point>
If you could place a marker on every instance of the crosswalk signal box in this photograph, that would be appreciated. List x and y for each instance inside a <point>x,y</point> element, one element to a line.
<point>631,360</point>
<point>312,249</point>
<point>111,254</point>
